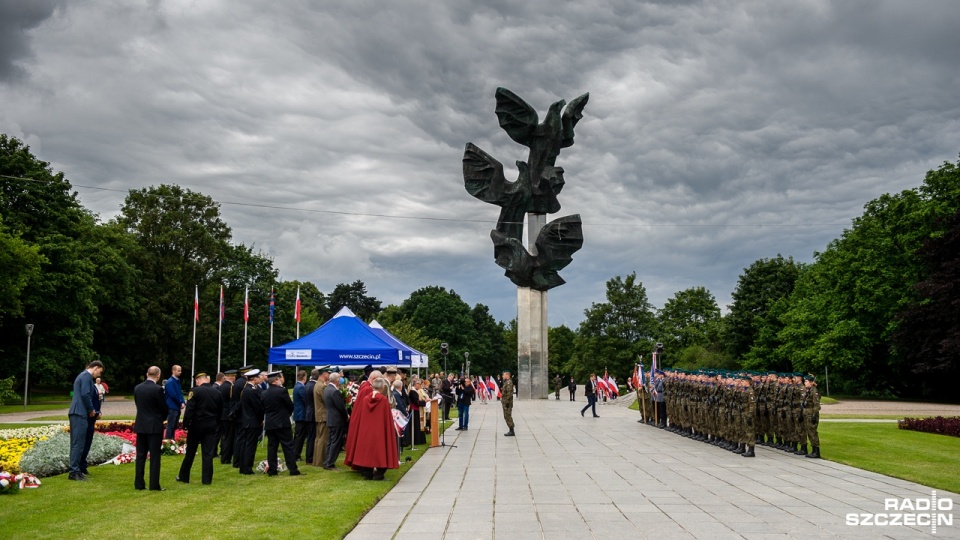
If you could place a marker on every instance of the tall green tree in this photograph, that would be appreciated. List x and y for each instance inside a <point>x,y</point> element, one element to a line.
<point>183,242</point>
<point>690,330</point>
<point>561,347</point>
<point>615,332</point>
<point>843,313</point>
<point>354,296</point>
<point>760,286</point>
<point>19,265</point>
<point>42,213</point>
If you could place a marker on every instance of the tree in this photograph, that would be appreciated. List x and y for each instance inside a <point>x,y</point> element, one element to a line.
<point>561,341</point>
<point>43,217</point>
<point>760,286</point>
<point>354,296</point>
<point>19,265</point>
<point>684,319</point>
<point>843,313</point>
<point>183,243</point>
<point>928,335</point>
<point>615,332</point>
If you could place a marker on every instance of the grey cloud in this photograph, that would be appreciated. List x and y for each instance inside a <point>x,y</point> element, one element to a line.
<point>17,17</point>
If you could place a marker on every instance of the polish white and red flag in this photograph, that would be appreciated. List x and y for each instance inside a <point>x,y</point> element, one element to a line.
<point>493,387</point>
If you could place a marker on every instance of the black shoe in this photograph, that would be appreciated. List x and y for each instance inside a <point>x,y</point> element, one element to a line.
<point>459,429</point>
<point>178,479</point>
<point>581,413</point>
<point>296,473</point>
<point>748,453</point>
<point>802,451</point>
<point>77,476</point>
<point>509,433</point>
<point>596,416</point>
<point>815,453</point>
<point>331,468</point>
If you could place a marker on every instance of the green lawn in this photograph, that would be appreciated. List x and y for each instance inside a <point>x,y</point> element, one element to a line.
<point>320,504</point>
<point>925,458</point>
<point>50,406</point>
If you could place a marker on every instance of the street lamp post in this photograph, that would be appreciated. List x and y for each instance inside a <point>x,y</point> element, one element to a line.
<point>466,358</point>
<point>26,378</point>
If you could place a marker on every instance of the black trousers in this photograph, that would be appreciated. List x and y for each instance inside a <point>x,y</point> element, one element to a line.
<point>338,436</point>
<point>280,437</point>
<point>300,436</point>
<point>662,412</point>
<point>227,437</point>
<point>237,442</point>
<point>205,437</point>
<point>148,443</point>
<point>247,449</point>
<point>591,404</point>
<point>309,439</point>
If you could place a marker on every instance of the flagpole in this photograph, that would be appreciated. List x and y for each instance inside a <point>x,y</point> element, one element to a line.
<point>220,331</point>
<point>272,303</point>
<point>196,315</point>
<point>246,316</point>
<point>297,313</point>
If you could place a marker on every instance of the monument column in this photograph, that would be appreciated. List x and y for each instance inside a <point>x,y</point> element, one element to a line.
<point>532,343</point>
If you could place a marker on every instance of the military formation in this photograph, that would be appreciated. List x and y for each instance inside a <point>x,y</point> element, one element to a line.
<point>738,410</point>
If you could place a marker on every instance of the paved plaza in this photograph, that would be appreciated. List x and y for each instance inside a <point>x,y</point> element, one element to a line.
<point>564,476</point>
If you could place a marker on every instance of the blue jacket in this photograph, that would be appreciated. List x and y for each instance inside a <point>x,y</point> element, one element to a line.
<point>299,412</point>
<point>174,393</point>
<point>83,388</point>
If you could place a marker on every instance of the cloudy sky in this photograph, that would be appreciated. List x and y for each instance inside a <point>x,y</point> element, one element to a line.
<point>717,132</point>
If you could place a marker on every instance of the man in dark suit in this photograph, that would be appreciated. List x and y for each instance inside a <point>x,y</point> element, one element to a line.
<point>226,429</point>
<point>84,409</point>
<point>200,418</point>
<point>590,390</point>
<point>251,421</point>
<point>238,387</point>
<point>277,407</point>
<point>299,414</point>
<point>151,411</point>
<point>309,413</point>
<point>337,420</point>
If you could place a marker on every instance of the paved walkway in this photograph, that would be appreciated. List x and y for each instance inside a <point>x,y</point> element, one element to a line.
<point>564,476</point>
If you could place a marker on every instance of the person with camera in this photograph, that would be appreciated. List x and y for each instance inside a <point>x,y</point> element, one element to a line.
<point>446,392</point>
<point>465,395</point>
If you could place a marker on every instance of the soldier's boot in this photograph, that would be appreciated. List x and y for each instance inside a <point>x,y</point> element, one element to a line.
<point>509,433</point>
<point>792,447</point>
<point>749,452</point>
<point>802,451</point>
<point>740,449</point>
<point>815,453</point>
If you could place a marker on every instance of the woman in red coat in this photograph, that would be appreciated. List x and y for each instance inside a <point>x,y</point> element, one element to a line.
<point>375,448</point>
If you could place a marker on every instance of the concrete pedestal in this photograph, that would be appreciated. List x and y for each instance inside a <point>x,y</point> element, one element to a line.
<point>531,380</point>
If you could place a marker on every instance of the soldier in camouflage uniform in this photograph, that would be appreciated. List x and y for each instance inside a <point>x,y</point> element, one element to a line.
<point>810,404</point>
<point>506,400</point>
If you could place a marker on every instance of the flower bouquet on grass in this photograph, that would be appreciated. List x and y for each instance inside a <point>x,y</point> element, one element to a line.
<point>262,467</point>
<point>170,447</point>
<point>11,483</point>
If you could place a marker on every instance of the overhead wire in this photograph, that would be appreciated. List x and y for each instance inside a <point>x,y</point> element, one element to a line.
<point>453,220</point>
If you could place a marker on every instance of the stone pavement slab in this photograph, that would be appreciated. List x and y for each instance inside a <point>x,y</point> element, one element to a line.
<point>565,476</point>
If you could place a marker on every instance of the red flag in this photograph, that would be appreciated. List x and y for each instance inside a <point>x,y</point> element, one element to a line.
<point>297,312</point>
<point>246,305</point>
<point>196,303</point>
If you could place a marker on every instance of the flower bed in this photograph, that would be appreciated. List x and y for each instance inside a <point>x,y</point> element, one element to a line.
<point>52,456</point>
<point>15,442</point>
<point>940,425</point>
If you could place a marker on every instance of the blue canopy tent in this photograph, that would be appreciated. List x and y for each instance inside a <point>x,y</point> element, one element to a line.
<point>417,358</point>
<point>343,341</point>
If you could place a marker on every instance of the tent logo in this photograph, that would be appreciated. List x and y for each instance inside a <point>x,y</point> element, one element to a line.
<point>299,354</point>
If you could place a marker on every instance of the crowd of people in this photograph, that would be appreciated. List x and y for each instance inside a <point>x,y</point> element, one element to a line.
<point>736,410</point>
<point>369,417</point>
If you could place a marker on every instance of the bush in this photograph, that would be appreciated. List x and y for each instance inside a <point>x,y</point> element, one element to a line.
<point>940,425</point>
<point>6,391</point>
<point>52,456</point>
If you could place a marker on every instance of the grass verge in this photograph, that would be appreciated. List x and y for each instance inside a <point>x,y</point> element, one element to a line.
<point>319,504</point>
<point>925,458</point>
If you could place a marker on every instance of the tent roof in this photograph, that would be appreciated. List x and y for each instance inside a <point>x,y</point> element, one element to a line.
<point>344,341</point>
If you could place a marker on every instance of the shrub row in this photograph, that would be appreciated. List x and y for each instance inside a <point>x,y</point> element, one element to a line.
<point>940,425</point>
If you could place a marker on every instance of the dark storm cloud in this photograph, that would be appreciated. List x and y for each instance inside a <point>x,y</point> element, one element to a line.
<point>16,18</point>
<point>717,133</point>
